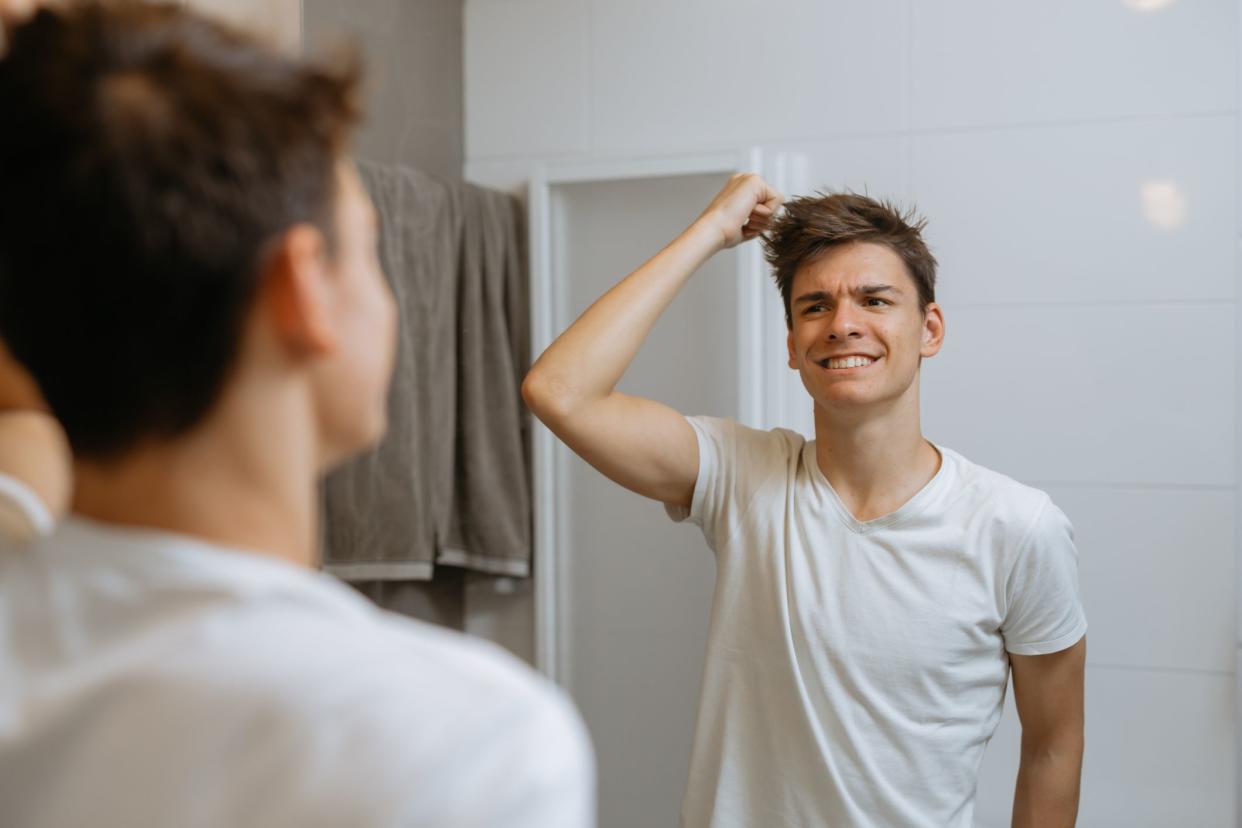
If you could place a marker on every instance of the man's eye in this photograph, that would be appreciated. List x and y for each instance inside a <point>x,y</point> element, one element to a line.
<point>815,308</point>
<point>873,301</point>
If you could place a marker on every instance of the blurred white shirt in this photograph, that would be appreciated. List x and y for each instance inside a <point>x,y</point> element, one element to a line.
<point>23,516</point>
<point>154,679</point>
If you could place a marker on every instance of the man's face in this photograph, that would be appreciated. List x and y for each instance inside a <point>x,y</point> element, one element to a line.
<point>351,387</point>
<point>858,331</point>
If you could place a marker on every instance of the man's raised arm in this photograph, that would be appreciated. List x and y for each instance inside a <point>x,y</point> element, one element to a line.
<point>641,444</point>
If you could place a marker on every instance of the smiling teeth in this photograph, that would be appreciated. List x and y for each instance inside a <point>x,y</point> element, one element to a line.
<point>850,362</point>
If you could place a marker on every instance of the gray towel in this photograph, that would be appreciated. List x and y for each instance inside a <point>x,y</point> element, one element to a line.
<point>449,483</point>
<point>490,516</point>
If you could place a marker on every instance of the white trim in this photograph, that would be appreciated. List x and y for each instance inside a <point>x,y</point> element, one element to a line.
<point>787,172</point>
<point>382,570</point>
<point>491,564</point>
<point>543,444</point>
<point>1237,478</point>
<point>751,276</point>
<point>630,167</point>
<point>548,317</point>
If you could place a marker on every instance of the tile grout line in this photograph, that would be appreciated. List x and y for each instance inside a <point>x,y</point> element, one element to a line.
<point>1189,671</point>
<point>910,132</point>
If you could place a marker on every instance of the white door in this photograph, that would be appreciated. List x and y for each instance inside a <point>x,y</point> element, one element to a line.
<point>625,599</point>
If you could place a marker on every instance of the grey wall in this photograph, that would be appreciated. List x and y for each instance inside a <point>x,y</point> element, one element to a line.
<point>413,54</point>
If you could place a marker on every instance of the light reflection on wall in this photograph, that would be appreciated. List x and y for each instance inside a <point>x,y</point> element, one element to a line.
<point>1148,5</point>
<point>1164,205</point>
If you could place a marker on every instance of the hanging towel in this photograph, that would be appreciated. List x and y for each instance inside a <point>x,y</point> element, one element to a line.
<point>490,517</point>
<point>449,483</point>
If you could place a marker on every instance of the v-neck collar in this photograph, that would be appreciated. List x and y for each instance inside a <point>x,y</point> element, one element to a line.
<point>912,507</point>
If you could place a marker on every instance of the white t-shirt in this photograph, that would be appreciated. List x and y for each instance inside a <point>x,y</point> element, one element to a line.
<point>23,516</point>
<point>153,679</point>
<point>856,670</point>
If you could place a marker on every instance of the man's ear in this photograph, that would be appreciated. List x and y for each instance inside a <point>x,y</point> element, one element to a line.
<point>296,286</point>
<point>793,363</point>
<point>933,330</point>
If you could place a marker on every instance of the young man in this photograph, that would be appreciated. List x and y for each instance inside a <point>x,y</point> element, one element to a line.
<point>188,268</point>
<point>874,590</point>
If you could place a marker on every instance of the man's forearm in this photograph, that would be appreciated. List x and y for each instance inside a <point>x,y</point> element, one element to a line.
<point>1047,789</point>
<point>588,360</point>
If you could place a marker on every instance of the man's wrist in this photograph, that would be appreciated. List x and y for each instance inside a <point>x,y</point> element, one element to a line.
<point>704,237</point>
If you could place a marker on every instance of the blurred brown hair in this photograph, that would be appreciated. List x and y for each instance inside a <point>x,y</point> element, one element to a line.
<point>149,157</point>
<point>811,225</point>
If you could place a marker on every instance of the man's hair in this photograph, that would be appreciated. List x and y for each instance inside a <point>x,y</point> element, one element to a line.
<point>149,156</point>
<point>814,224</point>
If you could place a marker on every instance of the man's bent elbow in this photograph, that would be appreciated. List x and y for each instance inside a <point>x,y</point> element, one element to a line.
<point>543,398</point>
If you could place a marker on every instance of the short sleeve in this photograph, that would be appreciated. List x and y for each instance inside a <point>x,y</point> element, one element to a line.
<point>1044,610</point>
<point>23,516</point>
<point>734,463</point>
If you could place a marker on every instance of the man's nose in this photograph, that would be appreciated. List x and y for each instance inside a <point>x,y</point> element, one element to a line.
<point>844,324</point>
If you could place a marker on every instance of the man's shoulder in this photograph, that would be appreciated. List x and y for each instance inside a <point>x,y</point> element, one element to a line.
<point>377,701</point>
<point>199,624</point>
<point>422,711</point>
<point>746,442</point>
<point>331,656</point>
<point>1012,504</point>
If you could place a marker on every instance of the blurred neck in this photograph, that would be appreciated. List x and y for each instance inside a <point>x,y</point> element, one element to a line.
<point>244,478</point>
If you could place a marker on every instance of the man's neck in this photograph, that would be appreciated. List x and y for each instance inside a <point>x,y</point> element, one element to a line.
<point>247,489</point>
<point>876,461</point>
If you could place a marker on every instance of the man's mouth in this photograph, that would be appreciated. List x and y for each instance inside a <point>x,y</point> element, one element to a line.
<point>844,362</point>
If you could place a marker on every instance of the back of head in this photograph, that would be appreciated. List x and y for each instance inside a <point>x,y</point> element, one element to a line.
<point>149,157</point>
<point>811,225</point>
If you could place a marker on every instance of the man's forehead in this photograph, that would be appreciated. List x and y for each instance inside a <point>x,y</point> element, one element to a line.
<point>851,267</point>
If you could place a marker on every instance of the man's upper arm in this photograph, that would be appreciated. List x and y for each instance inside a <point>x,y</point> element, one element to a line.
<point>643,445</point>
<point>1048,693</point>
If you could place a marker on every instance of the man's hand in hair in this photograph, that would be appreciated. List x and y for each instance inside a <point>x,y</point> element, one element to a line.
<point>33,448</point>
<point>18,390</point>
<point>15,11</point>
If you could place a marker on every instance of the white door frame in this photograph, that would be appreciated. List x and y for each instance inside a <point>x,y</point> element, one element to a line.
<point>549,317</point>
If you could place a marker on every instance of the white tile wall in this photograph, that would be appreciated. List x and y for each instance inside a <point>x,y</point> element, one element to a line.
<point>698,73</point>
<point>526,77</point>
<point>1089,393</point>
<point>979,62</point>
<point>1111,213</point>
<point>1078,162</point>
<point>1156,569</point>
<point>1159,753</point>
<point>877,165</point>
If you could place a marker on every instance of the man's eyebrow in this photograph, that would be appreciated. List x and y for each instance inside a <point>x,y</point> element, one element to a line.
<point>861,290</point>
<point>872,290</point>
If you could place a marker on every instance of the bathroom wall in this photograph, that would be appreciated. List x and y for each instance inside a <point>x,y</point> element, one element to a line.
<point>412,50</point>
<point>1078,162</point>
<point>413,53</point>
